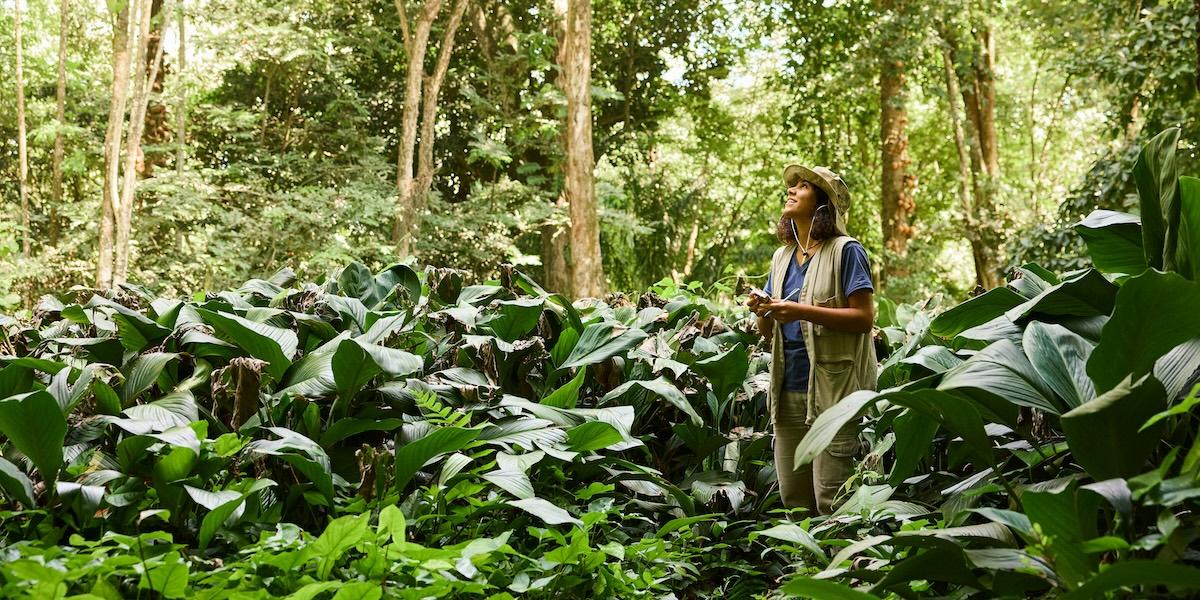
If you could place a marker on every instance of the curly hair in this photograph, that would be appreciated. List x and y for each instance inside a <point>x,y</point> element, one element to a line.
<point>823,225</point>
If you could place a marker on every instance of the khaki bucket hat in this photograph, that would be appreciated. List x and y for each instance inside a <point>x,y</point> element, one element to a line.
<point>830,182</point>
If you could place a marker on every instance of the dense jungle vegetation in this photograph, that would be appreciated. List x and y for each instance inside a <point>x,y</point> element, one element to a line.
<point>316,299</point>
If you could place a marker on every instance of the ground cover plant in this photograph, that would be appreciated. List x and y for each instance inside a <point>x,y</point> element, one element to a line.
<point>411,434</point>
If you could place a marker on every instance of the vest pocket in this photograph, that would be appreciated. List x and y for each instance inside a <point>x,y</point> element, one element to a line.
<point>832,380</point>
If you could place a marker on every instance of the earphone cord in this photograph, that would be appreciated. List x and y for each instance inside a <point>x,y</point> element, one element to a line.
<point>808,242</point>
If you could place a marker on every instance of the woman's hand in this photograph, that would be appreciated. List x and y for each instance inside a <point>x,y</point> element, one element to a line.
<point>780,311</point>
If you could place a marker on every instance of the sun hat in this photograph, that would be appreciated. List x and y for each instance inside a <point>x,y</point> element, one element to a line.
<point>832,184</point>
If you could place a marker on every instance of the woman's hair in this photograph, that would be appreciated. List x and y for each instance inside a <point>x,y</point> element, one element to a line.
<point>823,226</point>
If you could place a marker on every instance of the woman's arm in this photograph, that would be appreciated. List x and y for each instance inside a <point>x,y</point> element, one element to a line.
<point>765,327</point>
<point>859,317</point>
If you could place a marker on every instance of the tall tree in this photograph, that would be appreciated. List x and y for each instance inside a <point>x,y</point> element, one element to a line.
<point>968,193</point>
<point>420,107</point>
<point>60,112</point>
<point>587,269</point>
<point>22,151</point>
<point>142,86</point>
<point>110,196</point>
<point>181,107</point>
<point>975,83</point>
<point>156,129</point>
<point>896,182</point>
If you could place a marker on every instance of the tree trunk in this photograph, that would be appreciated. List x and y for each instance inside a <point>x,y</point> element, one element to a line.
<point>985,269</point>
<point>110,197</point>
<point>896,182</point>
<point>156,130</point>
<point>181,110</point>
<point>60,115</point>
<point>429,108</point>
<point>587,268</point>
<point>133,143</point>
<point>689,260</point>
<point>416,46</point>
<point>556,272</point>
<point>985,85</point>
<point>22,151</point>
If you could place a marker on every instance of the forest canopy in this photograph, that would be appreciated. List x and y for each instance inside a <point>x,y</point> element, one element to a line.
<point>972,136</point>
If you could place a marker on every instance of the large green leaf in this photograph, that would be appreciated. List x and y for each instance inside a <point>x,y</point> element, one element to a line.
<point>914,434</point>
<point>1003,374</point>
<point>15,483</point>
<point>275,345</point>
<point>593,435</point>
<point>1060,357</point>
<point>1155,312</point>
<point>514,318</point>
<point>352,368</point>
<point>35,424</point>
<point>302,453</point>
<point>1177,368</point>
<point>953,412</point>
<point>1187,252</point>
<point>413,455</point>
<point>512,481</point>
<point>827,425</point>
<point>725,371</point>
<point>663,389</point>
<point>223,506</point>
<point>1104,433</point>
<point>168,577</point>
<point>1066,519</point>
<point>1086,294</point>
<point>356,281</point>
<point>1114,241</point>
<point>793,533</point>
<point>601,341</point>
<point>339,536</point>
<point>821,589</point>
<point>1138,573</point>
<point>1158,193</point>
<point>546,511</point>
<point>567,395</point>
<point>974,312</point>
<point>142,372</point>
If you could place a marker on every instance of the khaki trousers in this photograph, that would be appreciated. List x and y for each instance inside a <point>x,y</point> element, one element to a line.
<point>815,485</point>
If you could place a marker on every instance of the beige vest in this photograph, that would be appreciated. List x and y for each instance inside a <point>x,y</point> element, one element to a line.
<point>840,362</point>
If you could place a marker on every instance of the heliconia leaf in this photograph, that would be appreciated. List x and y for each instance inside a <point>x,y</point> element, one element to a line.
<point>549,513</point>
<point>173,410</point>
<point>601,341</point>
<point>275,345</point>
<point>1117,414</point>
<point>663,389</point>
<point>1114,241</point>
<point>1137,336</point>
<point>15,483</point>
<point>512,481</point>
<point>412,456</point>
<point>142,372</point>
<point>974,312</point>
<point>35,424</point>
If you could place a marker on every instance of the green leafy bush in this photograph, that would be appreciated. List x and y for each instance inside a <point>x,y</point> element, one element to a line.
<point>410,435</point>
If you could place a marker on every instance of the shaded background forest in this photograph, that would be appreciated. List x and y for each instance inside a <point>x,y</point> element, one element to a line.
<point>972,134</point>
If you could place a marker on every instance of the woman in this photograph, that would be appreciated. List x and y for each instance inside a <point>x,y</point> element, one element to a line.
<point>818,318</point>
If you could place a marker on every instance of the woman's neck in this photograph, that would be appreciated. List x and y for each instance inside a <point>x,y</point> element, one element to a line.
<point>803,227</point>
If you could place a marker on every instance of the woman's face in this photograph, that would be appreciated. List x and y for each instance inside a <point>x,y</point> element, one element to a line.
<point>801,201</point>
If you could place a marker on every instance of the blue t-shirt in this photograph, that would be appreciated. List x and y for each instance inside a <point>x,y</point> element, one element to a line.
<point>856,275</point>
